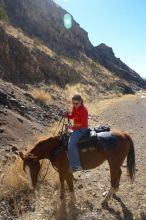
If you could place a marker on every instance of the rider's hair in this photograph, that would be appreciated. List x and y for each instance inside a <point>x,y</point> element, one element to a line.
<point>77,98</point>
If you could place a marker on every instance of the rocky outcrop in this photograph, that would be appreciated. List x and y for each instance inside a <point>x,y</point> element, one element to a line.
<point>16,60</point>
<point>106,57</point>
<point>44,19</point>
<point>22,62</point>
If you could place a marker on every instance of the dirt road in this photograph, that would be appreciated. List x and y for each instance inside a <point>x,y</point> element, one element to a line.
<point>128,115</point>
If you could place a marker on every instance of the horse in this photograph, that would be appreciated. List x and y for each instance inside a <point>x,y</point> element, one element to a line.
<point>46,149</point>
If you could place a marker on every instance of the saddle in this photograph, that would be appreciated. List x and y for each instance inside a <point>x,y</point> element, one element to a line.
<point>97,138</point>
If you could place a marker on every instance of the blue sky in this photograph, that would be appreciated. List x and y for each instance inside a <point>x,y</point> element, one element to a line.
<point>121,24</point>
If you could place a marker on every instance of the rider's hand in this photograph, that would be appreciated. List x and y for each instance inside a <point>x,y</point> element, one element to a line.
<point>68,127</point>
<point>65,113</point>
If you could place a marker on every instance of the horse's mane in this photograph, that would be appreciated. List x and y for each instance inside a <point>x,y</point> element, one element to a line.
<point>44,141</point>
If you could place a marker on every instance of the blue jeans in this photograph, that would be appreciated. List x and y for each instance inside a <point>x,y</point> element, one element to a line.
<point>73,152</point>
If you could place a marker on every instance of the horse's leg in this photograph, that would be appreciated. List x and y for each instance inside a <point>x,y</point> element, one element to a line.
<point>69,180</point>
<point>61,177</point>
<point>115,180</point>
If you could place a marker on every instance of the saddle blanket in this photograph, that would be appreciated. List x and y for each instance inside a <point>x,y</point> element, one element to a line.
<point>97,140</point>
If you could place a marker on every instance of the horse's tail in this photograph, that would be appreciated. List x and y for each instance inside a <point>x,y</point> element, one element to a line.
<point>131,160</point>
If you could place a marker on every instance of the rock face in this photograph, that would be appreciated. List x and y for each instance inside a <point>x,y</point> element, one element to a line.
<point>15,60</point>
<point>42,22</point>
<point>22,62</point>
<point>44,19</point>
<point>106,57</point>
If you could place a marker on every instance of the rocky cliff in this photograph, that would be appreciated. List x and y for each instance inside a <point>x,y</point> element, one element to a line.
<point>22,60</point>
<point>44,19</point>
<point>66,56</point>
<point>106,57</point>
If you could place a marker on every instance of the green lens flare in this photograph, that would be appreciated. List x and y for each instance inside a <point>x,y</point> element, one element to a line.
<point>67,21</point>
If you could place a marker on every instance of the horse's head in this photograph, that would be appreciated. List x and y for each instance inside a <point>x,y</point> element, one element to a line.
<point>31,166</point>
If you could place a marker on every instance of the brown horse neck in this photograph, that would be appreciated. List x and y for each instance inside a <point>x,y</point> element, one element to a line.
<point>44,148</point>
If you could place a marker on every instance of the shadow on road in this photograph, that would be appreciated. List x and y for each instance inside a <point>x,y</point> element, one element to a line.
<point>127,215</point>
<point>142,216</point>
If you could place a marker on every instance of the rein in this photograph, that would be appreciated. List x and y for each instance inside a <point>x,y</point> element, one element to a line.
<point>61,132</point>
<point>63,118</point>
<point>45,172</point>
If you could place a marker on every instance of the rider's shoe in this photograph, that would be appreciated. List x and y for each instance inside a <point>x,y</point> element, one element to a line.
<point>75,169</point>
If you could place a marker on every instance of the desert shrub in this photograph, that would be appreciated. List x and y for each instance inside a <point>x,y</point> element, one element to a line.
<point>41,96</point>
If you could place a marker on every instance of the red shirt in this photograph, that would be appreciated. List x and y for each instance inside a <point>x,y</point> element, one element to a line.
<point>80,116</point>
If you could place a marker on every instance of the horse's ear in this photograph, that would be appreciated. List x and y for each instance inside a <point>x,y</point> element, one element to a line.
<point>33,157</point>
<point>22,155</point>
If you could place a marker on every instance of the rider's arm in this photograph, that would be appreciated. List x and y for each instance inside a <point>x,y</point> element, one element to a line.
<point>76,126</point>
<point>84,118</point>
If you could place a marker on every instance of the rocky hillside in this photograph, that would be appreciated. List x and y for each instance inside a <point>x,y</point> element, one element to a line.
<point>42,65</point>
<point>68,56</point>
<point>106,57</point>
<point>24,61</point>
<point>44,19</point>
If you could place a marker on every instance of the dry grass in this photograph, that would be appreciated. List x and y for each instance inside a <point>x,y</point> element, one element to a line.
<point>41,96</point>
<point>27,41</point>
<point>79,88</point>
<point>12,179</point>
<point>15,192</point>
<point>14,185</point>
<point>67,93</point>
<point>13,176</point>
<point>98,106</point>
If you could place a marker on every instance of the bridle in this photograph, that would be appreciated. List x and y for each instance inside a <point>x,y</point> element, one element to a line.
<point>61,137</point>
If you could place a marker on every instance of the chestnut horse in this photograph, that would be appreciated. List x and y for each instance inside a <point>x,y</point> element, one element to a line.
<point>89,160</point>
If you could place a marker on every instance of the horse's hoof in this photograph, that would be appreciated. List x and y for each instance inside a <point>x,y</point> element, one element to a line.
<point>104,204</point>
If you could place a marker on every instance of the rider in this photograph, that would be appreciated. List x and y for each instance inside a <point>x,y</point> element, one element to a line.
<point>80,116</point>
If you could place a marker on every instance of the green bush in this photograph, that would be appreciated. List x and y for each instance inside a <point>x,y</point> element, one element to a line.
<point>3,14</point>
